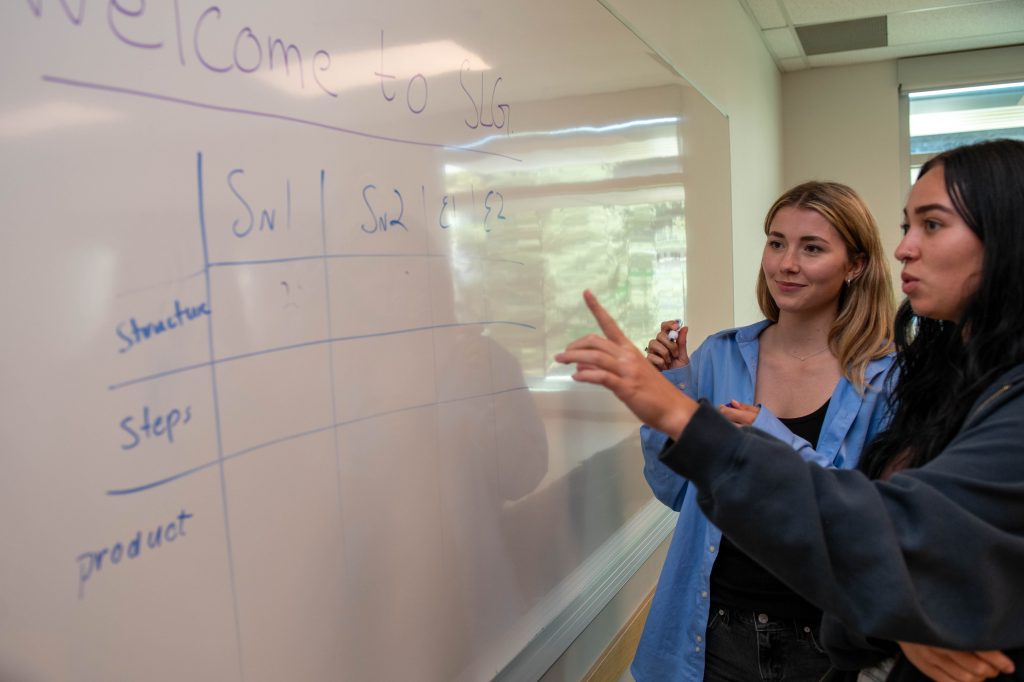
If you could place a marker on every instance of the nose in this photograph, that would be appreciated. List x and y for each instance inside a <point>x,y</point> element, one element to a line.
<point>789,261</point>
<point>906,249</point>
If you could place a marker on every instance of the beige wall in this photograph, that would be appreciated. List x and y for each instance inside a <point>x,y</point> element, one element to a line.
<point>843,123</point>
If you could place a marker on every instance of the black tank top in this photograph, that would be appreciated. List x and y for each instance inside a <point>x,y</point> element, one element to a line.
<point>739,582</point>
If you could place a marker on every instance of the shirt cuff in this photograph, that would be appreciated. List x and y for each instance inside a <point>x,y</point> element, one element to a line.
<point>705,447</point>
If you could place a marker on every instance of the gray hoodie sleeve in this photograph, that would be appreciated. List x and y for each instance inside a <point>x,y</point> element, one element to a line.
<point>934,555</point>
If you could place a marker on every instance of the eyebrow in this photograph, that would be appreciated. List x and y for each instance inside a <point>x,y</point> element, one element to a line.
<point>931,207</point>
<point>805,238</point>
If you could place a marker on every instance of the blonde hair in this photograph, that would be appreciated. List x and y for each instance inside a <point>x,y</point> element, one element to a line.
<point>863,328</point>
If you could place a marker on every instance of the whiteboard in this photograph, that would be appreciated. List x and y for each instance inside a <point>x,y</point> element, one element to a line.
<point>282,285</point>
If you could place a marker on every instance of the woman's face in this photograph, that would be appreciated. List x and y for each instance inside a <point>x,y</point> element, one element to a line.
<point>941,255</point>
<point>805,261</point>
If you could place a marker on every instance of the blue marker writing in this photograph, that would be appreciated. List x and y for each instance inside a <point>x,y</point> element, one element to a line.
<point>673,334</point>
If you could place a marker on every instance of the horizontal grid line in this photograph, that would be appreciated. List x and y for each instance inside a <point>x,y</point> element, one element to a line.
<point>306,344</point>
<point>295,436</point>
<point>120,90</point>
<point>339,256</point>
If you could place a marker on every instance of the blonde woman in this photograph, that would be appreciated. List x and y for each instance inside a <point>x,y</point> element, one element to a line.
<point>812,374</point>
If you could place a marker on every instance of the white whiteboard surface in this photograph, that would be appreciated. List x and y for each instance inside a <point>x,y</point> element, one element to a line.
<point>282,282</point>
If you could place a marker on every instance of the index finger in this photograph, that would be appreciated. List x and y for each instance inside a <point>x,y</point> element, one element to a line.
<point>604,320</point>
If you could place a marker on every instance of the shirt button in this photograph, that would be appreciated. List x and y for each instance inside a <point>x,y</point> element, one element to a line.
<point>699,638</point>
<point>762,618</point>
<point>711,548</point>
<point>697,649</point>
<point>704,594</point>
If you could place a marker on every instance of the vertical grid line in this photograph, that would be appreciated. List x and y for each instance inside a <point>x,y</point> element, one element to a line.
<point>437,397</point>
<point>216,416</point>
<point>330,366</point>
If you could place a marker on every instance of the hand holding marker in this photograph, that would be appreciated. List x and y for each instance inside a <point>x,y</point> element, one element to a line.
<point>668,349</point>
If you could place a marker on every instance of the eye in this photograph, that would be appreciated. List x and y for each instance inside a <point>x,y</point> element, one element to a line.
<point>774,244</point>
<point>904,227</point>
<point>814,249</point>
<point>931,225</point>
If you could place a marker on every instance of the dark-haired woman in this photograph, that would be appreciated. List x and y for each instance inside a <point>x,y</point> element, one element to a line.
<point>925,546</point>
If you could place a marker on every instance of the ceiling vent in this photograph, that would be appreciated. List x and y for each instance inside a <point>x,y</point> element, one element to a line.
<point>844,36</point>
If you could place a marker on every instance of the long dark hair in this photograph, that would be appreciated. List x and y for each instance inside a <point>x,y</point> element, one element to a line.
<point>944,366</point>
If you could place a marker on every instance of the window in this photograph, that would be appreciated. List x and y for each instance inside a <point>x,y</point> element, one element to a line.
<point>942,119</point>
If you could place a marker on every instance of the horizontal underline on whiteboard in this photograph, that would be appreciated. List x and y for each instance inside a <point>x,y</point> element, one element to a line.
<point>306,344</point>
<point>284,439</point>
<point>331,256</point>
<point>117,89</point>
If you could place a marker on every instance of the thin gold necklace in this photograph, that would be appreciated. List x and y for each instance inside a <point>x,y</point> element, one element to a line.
<point>805,358</point>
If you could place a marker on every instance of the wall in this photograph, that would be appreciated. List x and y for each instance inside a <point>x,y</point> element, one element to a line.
<point>843,123</point>
<point>716,46</point>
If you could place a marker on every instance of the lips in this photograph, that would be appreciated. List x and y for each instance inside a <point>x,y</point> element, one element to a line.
<point>910,283</point>
<point>789,287</point>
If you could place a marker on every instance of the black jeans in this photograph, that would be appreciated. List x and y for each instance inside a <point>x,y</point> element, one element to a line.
<point>747,646</point>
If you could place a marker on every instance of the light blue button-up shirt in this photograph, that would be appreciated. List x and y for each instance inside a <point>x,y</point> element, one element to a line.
<point>724,368</point>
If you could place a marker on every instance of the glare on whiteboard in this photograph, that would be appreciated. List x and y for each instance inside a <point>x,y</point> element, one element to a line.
<point>44,118</point>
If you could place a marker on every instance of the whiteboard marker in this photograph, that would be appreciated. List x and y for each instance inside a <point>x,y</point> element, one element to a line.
<point>673,334</point>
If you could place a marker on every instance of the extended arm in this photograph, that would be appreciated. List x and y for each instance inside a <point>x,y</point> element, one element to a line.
<point>932,556</point>
<point>668,486</point>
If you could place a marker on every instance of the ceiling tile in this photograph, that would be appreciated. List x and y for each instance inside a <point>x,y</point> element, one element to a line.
<point>822,11</point>
<point>915,27</point>
<point>782,42</point>
<point>767,13</point>
<point>992,18</point>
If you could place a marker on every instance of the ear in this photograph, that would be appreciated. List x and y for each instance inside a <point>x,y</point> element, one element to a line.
<point>857,267</point>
